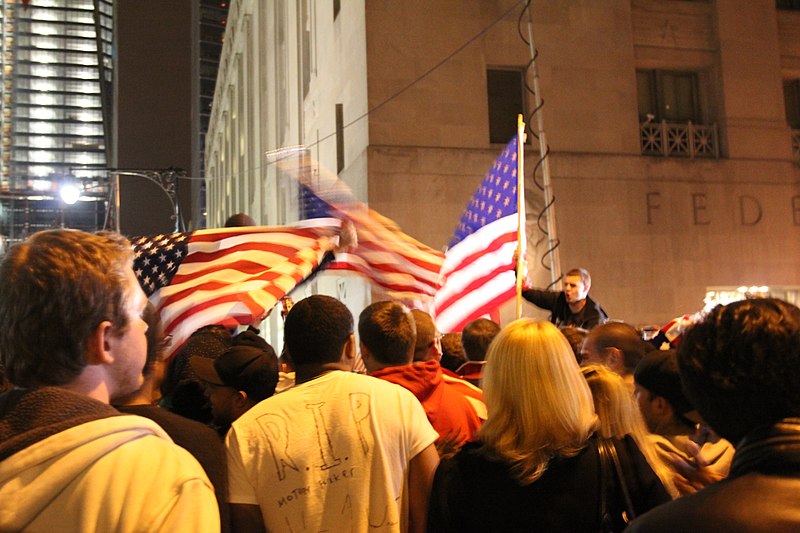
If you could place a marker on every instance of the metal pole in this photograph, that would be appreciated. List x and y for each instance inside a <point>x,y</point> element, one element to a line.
<point>521,235</point>
<point>550,214</point>
<point>116,202</point>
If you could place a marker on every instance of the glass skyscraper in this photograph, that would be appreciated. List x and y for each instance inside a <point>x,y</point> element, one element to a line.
<point>56,119</point>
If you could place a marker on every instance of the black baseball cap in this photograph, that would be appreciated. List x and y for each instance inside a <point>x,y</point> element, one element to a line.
<point>251,369</point>
<point>658,373</point>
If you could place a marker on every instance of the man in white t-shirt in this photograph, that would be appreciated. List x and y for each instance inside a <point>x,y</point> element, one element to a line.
<point>339,451</point>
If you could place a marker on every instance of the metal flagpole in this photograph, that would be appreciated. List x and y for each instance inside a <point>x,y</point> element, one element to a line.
<point>550,213</point>
<point>521,238</point>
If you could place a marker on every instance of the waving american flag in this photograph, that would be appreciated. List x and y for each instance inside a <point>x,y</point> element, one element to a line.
<point>478,273</point>
<point>228,276</point>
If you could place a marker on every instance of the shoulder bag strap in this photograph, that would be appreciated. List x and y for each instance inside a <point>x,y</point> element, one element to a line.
<point>605,467</point>
<point>630,512</point>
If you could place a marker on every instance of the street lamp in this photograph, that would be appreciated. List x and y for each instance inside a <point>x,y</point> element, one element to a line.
<point>69,193</point>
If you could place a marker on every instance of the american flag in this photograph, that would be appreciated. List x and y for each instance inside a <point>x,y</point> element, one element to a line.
<point>402,267</point>
<point>228,276</point>
<point>478,275</point>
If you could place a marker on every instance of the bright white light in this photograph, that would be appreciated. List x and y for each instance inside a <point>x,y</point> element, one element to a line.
<point>69,193</point>
<point>89,131</point>
<point>44,29</point>
<point>43,71</point>
<point>44,99</point>
<point>43,57</point>
<point>42,127</point>
<point>43,113</point>
<point>41,185</point>
<point>85,102</point>
<point>41,171</point>
<point>84,159</point>
<point>742,289</point>
<point>763,288</point>
<point>41,156</point>
<point>43,85</point>
<point>42,142</point>
<point>89,116</point>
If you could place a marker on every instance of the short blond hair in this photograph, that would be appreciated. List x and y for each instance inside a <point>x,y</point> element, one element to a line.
<point>539,404</point>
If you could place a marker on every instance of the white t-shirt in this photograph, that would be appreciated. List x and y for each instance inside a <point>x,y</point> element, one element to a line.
<point>330,454</point>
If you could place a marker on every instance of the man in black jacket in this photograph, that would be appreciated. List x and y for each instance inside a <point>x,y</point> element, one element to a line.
<point>739,366</point>
<point>572,306</point>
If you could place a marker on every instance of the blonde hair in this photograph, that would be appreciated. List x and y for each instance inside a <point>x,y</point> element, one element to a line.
<point>619,416</point>
<point>539,405</point>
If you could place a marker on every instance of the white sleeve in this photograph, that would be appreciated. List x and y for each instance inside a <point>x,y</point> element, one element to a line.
<point>240,490</point>
<point>420,431</point>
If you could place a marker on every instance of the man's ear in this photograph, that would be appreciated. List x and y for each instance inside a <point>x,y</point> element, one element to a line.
<point>240,398</point>
<point>349,351</point>
<point>365,353</point>
<point>98,345</point>
<point>662,407</point>
<point>615,359</point>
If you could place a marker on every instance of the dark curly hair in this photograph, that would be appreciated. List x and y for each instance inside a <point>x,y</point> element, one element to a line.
<point>739,365</point>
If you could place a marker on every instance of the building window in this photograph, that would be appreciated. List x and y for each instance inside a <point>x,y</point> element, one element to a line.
<point>791,98</point>
<point>339,138</point>
<point>668,95</point>
<point>506,95</point>
<point>671,120</point>
<point>788,4</point>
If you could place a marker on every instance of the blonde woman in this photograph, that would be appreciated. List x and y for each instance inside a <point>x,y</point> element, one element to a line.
<point>535,465</point>
<point>620,416</point>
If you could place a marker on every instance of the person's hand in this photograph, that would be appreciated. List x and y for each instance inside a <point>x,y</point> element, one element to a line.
<point>692,474</point>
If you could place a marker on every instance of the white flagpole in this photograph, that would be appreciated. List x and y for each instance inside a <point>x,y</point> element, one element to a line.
<point>550,211</point>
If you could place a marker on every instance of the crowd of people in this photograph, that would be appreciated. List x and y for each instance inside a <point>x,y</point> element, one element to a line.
<point>572,424</point>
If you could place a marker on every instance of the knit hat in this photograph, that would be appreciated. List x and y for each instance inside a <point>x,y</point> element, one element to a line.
<point>242,367</point>
<point>658,373</point>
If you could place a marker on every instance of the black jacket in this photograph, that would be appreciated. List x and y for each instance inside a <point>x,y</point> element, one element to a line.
<point>761,493</point>
<point>474,493</point>
<point>560,313</point>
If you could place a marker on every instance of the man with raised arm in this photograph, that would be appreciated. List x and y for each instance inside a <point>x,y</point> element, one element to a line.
<point>572,306</point>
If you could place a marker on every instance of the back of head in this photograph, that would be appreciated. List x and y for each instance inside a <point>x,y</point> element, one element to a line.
<point>453,355</point>
<point>388,331</point>
<point>575,337</point>
<point>240,220</point>
<point>55,290</point>
<point>477,336</point>
<point>622,336</point>
<point>208,341</point>
<point>739,365</point>
<point>539,404</point>
<point>426,334</point>
<point>316,330</point>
